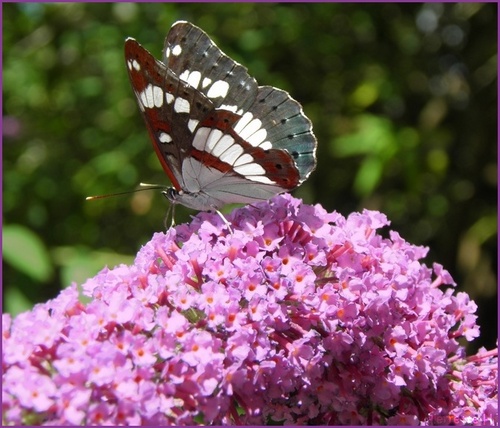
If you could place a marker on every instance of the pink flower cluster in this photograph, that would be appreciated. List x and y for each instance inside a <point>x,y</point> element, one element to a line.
<point>295,315</point>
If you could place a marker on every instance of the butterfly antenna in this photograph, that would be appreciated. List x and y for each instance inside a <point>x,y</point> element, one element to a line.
<point>128,192</point>
<point>151,186</point>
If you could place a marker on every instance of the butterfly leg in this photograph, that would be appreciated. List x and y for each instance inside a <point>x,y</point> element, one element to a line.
<point>224,220</point>
<point>170,211</point>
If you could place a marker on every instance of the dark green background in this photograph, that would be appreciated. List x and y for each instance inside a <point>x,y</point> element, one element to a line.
<point>403,98</point>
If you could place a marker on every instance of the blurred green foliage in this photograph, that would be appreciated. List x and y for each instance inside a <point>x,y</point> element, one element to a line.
<point>402,97</point>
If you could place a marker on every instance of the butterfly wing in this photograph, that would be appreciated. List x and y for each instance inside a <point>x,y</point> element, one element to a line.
<point>220,137</point>
<point>196,59</point>
<point>162,98</point>
<point>271,118</point>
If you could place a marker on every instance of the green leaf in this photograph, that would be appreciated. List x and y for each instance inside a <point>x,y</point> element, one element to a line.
<point>368,176</point>
<point>373,135</point>
<point>15,302</point>
<point>79,263</point>
<point>25,251</point>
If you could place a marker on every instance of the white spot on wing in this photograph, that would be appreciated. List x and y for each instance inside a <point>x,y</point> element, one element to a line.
<point>176,50</point>
<point>192,124</point>
<point>218,89</point>
<point>266,145</point>
<point>222,145</point>
<point>246,158</point>
<point>250,129</point>
<point>214,136</point>
<point>194,79</point>
<point>184,75</point>
<point>231,154</point>
<point>200,138</point>
<point>245,119</point>
<point>164,137</point>
<point>260,179</point>
<point>151,97</point>
<point>169,97</point>
<point>157,96</point>
<point>206,82</point>
<point>228,108</point>
<point>136,65</point>
<point>258,137</point>
<point>250,169</point>
<point>181,105</point>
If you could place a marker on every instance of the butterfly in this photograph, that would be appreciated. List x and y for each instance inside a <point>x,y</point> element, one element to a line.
<point>219,136</point>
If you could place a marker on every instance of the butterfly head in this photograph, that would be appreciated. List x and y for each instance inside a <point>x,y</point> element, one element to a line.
<point>196,200</point>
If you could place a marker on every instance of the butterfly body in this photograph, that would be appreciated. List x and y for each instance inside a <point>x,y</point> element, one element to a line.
<point>219,136</point>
